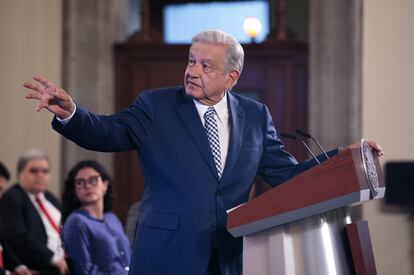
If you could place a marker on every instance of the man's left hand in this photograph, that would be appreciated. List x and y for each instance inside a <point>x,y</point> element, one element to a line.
<point>376,148</point>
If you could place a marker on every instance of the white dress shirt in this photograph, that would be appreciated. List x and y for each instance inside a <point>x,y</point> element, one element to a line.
<point>54,241</point>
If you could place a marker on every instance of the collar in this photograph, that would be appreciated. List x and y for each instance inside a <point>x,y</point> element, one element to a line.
<point>32,196</point>
<point>220,107</point>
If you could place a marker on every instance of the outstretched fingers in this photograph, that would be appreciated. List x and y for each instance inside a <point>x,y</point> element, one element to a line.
<point>45,82</point>
<point>33,86</point>
<point>41,85</point>
<point>37,92</point>
<point>49,96</point>
<point>34,95</point>
<point>41,88</point>
<point>41,91</point>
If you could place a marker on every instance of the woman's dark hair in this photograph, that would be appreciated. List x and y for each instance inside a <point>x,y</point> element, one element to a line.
<point>4,172</point>
<point>70,202</point>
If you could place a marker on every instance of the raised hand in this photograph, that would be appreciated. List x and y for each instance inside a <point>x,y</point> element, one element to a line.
<point>50,96</point>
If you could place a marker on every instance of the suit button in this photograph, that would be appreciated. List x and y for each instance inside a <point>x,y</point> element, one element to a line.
<point>219,193</point>
<point>213,225</point>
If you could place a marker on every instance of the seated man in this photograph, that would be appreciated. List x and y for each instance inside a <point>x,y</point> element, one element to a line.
<point>30,218</point>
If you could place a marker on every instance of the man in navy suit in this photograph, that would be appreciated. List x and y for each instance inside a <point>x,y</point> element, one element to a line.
<point>197,161</point>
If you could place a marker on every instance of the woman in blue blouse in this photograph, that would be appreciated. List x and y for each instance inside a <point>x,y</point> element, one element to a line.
<point>93,236</point>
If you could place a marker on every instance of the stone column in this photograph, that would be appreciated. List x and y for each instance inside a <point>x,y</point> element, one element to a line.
<point>335,39</point>
<point>335,67</point>
<point>91,27</point>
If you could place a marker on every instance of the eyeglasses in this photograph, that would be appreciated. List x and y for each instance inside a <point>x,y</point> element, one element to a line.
<point>38,170</point>
<point>92,180</point>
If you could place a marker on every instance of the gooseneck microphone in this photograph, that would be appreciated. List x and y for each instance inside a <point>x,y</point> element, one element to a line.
<point>295,137</point>
<point>306,135</point>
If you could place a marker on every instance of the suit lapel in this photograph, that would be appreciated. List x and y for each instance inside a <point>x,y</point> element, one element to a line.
<point>188,114</point>
<point>237,117</point>
<point>34,213</point>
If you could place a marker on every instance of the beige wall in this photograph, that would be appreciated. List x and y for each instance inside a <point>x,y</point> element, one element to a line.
<point>388,96</point>
<point>30,33</point>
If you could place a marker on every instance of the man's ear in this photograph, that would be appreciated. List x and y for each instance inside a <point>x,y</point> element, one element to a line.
<point>232,79</point>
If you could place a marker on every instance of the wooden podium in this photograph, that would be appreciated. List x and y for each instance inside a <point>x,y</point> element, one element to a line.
<point>303,226</point>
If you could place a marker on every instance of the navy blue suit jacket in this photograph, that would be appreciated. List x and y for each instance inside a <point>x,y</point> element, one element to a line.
<point>183,210</point>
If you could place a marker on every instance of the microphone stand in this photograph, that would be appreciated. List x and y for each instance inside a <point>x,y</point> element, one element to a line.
<point>294,137</point>
<point>306,135</point>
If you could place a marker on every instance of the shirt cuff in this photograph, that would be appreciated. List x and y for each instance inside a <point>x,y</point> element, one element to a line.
<point>20,267</point>
<point>64,121</point>
<point>55,259</point>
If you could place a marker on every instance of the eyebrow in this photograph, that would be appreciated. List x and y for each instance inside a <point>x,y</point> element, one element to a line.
<point>202,60</point>
<point>88,177</point>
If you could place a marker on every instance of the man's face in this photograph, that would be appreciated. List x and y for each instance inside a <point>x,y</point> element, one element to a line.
<point>206,78</point>
<point>35,176</point>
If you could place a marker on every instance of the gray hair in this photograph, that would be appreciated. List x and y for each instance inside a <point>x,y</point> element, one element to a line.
<point>28,156</point>
<point>234,51</point>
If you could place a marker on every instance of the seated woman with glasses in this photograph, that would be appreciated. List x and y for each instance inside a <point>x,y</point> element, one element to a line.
<point>93,236</point>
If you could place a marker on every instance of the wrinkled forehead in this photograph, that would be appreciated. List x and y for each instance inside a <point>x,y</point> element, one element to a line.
<point>206,51</point>
<point>208,48</point>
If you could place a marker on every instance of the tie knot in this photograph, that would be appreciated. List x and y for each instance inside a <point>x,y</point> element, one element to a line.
<point>210,112</point>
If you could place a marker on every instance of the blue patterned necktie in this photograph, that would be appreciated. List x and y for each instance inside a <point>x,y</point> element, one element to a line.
<point>213,137</point>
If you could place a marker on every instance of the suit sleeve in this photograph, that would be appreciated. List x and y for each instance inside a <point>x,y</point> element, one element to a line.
<point>277,165</point>
<point>113,133</point>
<point>17,234</point>
<point>11,259</point>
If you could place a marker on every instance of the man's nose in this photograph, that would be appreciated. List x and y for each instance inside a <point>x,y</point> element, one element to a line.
<point>195,70</point>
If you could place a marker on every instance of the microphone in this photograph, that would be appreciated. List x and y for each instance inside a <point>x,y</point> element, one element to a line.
<point>294,137</point>
<point>306,135</point>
